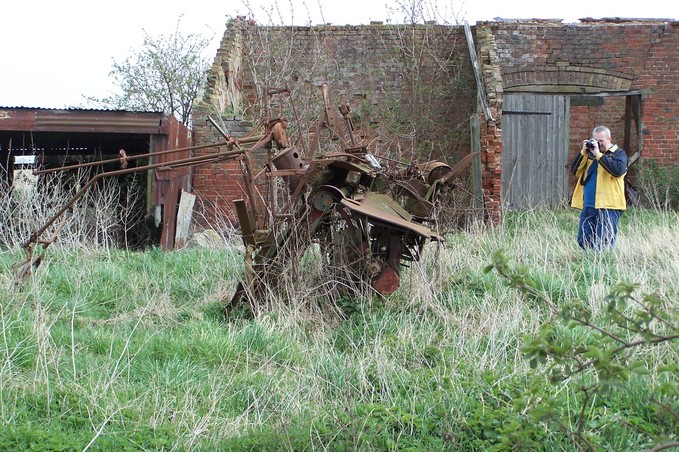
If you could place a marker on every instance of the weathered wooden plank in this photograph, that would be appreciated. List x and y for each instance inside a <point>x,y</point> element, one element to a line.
<point>184,216</point>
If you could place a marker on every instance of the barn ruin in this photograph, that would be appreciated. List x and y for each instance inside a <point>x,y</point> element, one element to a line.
<point>524,93</point>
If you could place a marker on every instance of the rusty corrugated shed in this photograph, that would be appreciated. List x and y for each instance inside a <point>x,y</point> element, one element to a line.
<point>100,134</point>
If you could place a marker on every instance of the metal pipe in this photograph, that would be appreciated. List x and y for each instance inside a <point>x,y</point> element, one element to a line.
<point>130,157</point>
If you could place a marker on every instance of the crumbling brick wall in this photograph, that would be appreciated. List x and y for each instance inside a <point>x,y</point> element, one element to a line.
<point>411,88</point>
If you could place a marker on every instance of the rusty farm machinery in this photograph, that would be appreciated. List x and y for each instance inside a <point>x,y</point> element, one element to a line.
<point>366,214</point>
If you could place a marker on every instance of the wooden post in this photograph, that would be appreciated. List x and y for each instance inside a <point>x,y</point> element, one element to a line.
<point>477,181</point>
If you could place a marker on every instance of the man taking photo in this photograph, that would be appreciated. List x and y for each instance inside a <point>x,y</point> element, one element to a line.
<point>600,169</point>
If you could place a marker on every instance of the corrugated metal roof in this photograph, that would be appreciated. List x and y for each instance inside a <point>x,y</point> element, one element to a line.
<point>22,107</point>
<point>81,120</point>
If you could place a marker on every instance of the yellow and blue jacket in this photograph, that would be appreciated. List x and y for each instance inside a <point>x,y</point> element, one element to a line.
<point>609,170</point>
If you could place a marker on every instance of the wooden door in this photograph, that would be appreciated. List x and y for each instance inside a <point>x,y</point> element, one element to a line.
<point>534,150</point>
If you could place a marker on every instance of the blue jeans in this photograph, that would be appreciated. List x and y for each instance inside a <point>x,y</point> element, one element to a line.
<point>598,228</point>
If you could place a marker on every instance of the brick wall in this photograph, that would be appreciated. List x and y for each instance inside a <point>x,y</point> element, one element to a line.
<point>217,184</point>
<point>600,56</point>
<point>490,127</point>
<point>400,77</point>
<point>411,88</point>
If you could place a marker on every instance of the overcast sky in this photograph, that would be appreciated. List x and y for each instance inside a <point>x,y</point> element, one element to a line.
<point>53,52</point>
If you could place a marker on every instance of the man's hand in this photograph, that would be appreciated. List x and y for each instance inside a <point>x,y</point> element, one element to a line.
<point>596,152</point>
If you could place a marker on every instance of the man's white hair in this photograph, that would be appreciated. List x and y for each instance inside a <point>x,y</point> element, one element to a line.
<point>604,129</point>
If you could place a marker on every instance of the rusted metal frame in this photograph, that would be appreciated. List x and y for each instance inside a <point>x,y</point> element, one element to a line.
<point>248,138</point>
<point>251,245</point>
<point>381,242</point>
<point>324,120</point>
<point>399,247</point>
<point>387,279</point>
<point>281,172</point>
<point>268,93</point>
<point>336,134</point>
<point>276,245</point>
<point>459,167</point>
<point>350,129</point>
<point>271,176</point>
<point>246,169</point>
<point>357,224</point>
<point>271,191</point>
<point>414,244</point>
<point>313,144</point>
<point>308,225</point>
<point>348,155</point>
<point>330,113</point>
<point>408,238</point>
<point>294,196</point>
<point>306,228</point>
<point>246,227</point>
<point>423,203</point>
<point>344,110</point>
<point>231,141</point>
<point>396,247</point>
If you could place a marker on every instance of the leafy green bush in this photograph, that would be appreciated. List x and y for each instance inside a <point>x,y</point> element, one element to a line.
<point>598,358</point>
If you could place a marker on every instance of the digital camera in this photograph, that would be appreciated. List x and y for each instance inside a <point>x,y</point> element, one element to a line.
<point>589,144</point>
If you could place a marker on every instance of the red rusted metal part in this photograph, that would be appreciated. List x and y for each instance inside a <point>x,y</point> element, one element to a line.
<point>170,170</point>
<point>76,120</point>
<point>128,158</point>
<point>381,207</point>
<point>168,183</point>
<point>387,282</point>
<point>129,136</point>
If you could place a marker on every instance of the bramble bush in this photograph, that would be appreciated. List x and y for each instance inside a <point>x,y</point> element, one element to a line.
<point>598,358</point>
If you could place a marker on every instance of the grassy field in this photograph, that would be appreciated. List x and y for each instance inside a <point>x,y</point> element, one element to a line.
<point>114,350</point>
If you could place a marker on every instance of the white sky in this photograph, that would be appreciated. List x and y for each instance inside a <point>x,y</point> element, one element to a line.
<point>52,52</point>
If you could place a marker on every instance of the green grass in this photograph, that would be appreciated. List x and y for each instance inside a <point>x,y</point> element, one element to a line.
<point>126,350</point>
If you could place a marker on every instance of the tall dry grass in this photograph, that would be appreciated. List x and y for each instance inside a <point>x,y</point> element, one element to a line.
<point>105,216</point>
<point>105,346</point>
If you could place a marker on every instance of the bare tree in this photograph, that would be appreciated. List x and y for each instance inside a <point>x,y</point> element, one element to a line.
<point>166,74</point>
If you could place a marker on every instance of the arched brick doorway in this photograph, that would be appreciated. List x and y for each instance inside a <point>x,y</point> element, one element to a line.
<point>545,116</point>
